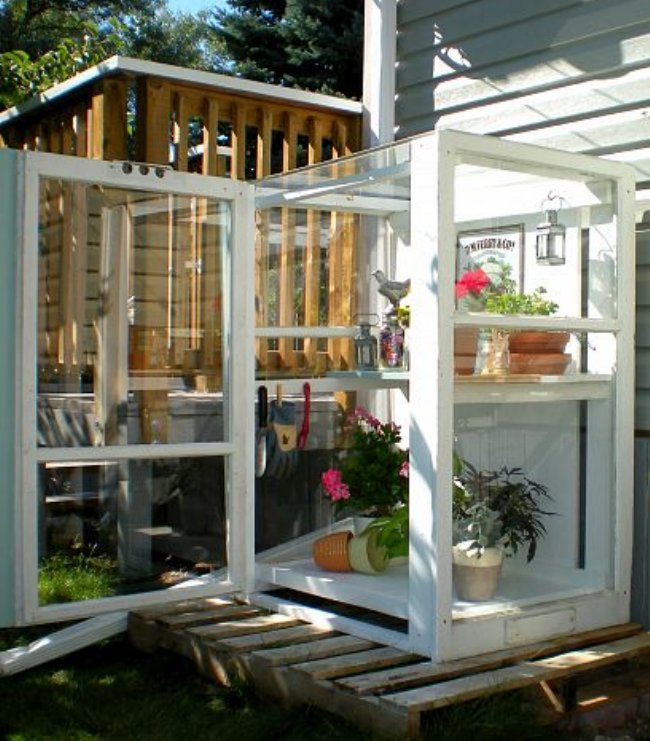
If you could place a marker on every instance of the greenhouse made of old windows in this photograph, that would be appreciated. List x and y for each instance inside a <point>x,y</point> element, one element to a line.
<point>420,356</point>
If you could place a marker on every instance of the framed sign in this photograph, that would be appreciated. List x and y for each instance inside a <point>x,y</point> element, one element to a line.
<point>501,244</point>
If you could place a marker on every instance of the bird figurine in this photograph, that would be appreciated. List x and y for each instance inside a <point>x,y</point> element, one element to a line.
<point>393,290</point>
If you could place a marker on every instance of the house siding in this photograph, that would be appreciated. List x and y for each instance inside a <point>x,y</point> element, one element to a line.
<point>563,73</point>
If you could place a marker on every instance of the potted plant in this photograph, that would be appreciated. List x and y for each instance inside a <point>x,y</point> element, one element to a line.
<point>371,479</point>
<point>495,513</point>
<point>473,289</point>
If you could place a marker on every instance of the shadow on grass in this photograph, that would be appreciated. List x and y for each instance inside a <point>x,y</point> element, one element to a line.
<point>112,691</point>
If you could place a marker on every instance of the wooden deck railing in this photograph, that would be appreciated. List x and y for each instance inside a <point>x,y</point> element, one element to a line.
<point>212,125</point>
<point>203,124</point>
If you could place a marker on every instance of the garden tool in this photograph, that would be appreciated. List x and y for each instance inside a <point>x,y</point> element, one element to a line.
<point>262,430</point>
<point>303,435</point>
<point>281,452</point>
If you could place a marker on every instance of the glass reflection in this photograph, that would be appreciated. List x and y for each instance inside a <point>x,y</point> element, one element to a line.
<point>108,528</point>
<point>131,315</point>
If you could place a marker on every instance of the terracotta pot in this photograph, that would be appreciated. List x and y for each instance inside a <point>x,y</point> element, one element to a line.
<point>465,342</point>
<point>538,342</point>
<point>550,364</point>
<point>539,352</point>
<point>476,579</point>
<point>330,552</point>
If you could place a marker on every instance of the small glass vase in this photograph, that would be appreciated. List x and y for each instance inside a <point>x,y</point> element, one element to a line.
<point>493,353</point>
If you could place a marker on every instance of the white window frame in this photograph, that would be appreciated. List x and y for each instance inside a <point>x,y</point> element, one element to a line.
<point>237,451</point>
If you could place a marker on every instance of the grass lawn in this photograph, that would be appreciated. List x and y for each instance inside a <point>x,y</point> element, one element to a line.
<point>112,691</point>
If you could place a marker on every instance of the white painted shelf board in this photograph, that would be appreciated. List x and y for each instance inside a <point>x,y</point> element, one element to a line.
<point>516,591</point>
<point>574,387</point>
<point>338,381</point>
<point>551,323</point>
<point>379,374</point>
<point>386,593</point>
<point>482,389</point>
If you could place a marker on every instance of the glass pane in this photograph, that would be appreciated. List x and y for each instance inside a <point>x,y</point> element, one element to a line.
<point>366,481</point>
<point>289,499</point>
<point>534,475</point>
<point>131,316</point>
<point>111,528</point>
<point>549,237</point>
<point>318,267</point>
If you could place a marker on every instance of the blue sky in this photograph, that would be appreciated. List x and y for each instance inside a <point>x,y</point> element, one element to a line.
<point>193,6</point>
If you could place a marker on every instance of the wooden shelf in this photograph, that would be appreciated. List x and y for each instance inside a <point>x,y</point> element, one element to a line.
<point>387,592</point>
<point>513,388</point>
<point>529,388</point>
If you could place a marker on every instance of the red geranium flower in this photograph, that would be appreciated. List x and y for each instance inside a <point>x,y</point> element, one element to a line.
<point>472,281</point>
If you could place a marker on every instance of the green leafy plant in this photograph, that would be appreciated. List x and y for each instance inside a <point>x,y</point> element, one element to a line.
<point>534,303</point>
<point>22,77</point>
<point>498,508</point>
<point>393,532</point>
<point>371,473</point>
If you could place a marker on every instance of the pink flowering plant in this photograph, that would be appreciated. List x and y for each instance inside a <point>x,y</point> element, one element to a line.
<point>372,478</point>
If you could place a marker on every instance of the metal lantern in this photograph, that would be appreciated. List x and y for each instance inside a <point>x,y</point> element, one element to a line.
<point>551,237</point>
<point>365,346</point>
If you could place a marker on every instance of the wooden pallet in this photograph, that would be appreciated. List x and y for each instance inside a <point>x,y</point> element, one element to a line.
<point>379,688</point>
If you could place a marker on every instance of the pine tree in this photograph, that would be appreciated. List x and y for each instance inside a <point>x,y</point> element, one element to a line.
<point>298,43</point>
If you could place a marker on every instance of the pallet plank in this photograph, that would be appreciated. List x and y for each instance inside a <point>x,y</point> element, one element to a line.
<point>283,637</point>
<point>246,626</point>
<point>422,699</point>
<point>291,688</point>
<point>324,648</point>
<point>354,663</point>
<point>216,615</point>
<point>596,656</point>
<point>429,671</point>
<point>177,608</point>
<point>367,683</point>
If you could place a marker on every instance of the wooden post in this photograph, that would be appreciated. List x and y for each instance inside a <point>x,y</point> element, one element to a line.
<point>347,226</point>
<point>152,120</point>
<point>289,142</point>
<point>264,132</point>
<point>262,222</point>
<point>210,135</point>
<point>80,130</point>
<point>287,264</point>
<point>181,132</point>
<point>311,254</point>
<point>108,140</point>
<point>152,145</point>
<point>238,160</point>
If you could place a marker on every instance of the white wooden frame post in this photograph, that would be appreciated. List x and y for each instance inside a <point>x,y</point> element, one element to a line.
<point>624,391</point>
<point>238,452</point>
<point>432,385</point>
<point>241,489</point>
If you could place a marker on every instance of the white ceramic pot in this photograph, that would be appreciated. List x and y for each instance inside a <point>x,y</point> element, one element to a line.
<point>476,577</point>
